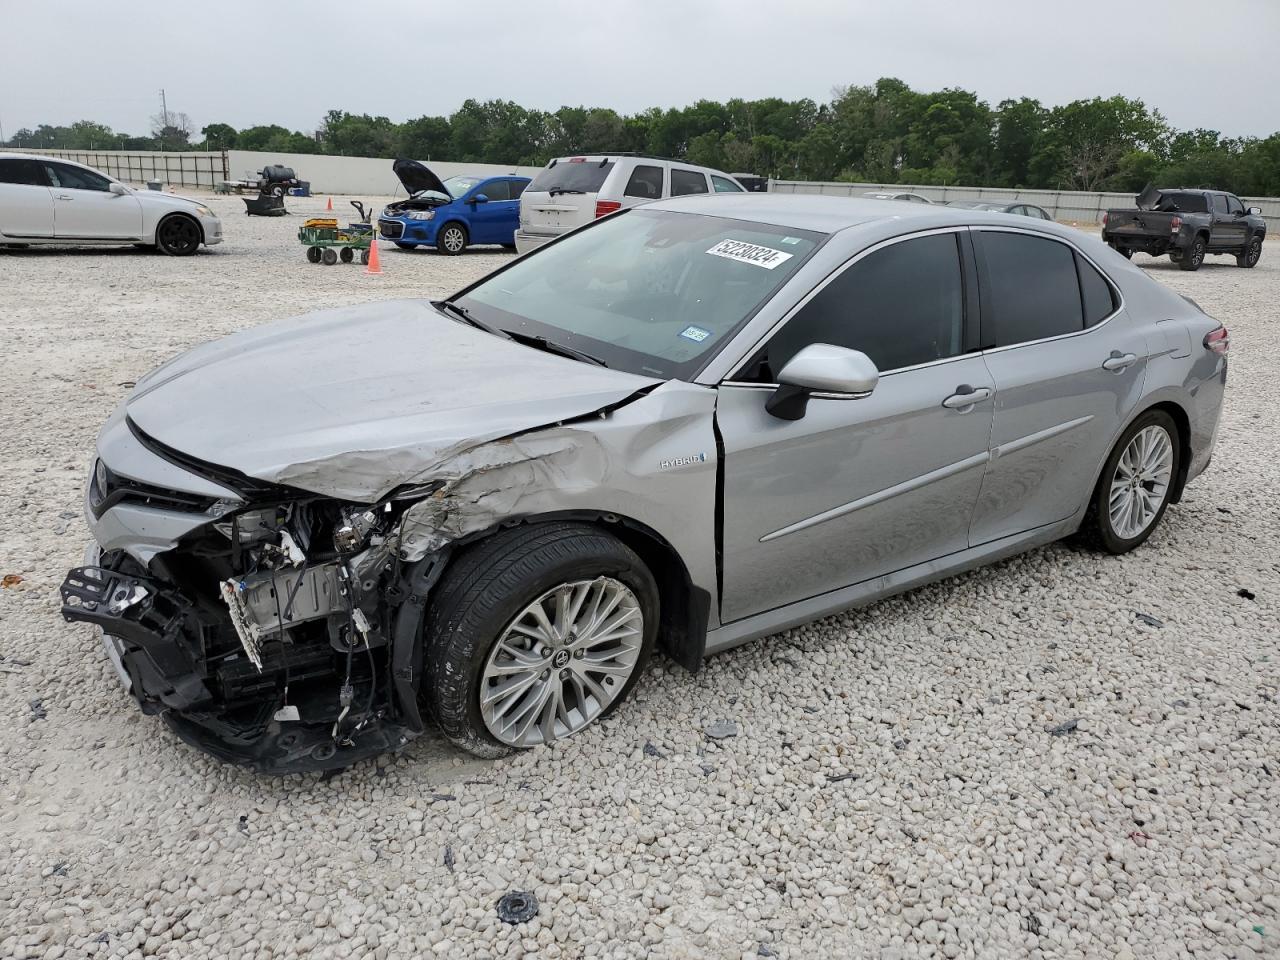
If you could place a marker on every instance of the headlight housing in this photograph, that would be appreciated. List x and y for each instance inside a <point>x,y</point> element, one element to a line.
<point>420,214</point>
<point>204,211</point>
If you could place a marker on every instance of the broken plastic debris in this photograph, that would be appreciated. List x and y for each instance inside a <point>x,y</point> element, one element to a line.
<point>721,729</point>
<point>517,906</point>
<point>1147,618</point>
<point>651,751</point>
<point>448,858</point>
<point>12,579</point>
<point>1246,593</point>
<point>287,712</point>
<point>1062,729</point>
<point>37,710</point>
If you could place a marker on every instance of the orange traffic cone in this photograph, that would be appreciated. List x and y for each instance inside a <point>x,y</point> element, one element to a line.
<point>329,205</point>
<point>374,266</point>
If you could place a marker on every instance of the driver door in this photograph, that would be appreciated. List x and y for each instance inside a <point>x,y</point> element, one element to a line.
<point>858,488</point>
<point>495,221</point>
<point>84,208</point>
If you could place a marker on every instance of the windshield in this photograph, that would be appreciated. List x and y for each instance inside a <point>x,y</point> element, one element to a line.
<point>572,176</point>
<point>457,186</point>
<point>648,291</point>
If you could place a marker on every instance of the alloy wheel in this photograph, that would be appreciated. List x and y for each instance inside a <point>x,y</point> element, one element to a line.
<point>453,239</point>
<point>1141,482</point>
<point>180,235</point>
<point>561,662</point>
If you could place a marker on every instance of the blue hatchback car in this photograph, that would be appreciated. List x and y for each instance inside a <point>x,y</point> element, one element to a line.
<point>452,214</point>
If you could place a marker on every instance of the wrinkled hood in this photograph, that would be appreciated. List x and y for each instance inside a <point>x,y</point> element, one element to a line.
<point>356,401</point>
<point>1148,198</point>
<point>418,178</point>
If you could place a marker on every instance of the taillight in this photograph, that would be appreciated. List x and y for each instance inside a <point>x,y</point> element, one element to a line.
<point>606,207</point>
<point>1175,224</point>
<point>1219,341</point>
<point>1105,217</point>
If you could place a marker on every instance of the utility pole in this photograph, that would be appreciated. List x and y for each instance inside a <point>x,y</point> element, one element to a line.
<point>164,108</point>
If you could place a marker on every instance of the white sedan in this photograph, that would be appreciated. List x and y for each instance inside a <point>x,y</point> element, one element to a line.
<point>47,200</point>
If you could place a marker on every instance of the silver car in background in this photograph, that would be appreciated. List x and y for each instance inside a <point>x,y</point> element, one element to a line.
<point>689,424</point>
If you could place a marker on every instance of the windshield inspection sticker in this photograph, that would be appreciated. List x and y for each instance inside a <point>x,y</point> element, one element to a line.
<point>751,253</point>
<point>696,334</point>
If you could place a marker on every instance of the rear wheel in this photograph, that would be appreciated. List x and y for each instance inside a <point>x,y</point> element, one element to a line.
<point>1251,254</point>
<point>1123,251</point>
<point>535,634</point>
<point>346,255</point>
<point>330,256</point>
<point>452,239</point>
<point>178,236</point>
<point>1193,256</point>
<point>1136,483</point>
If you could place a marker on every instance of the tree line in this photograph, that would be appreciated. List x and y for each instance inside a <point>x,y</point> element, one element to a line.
<point>883,132</point>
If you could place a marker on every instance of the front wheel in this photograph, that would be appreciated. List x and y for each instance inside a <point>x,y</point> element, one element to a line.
<point>1251,254</point>
<point>178,236</point>
<point>452,239</point>
<point>1136,483</point>
<point>535,634</point>
<point>329,257</point>
<point>1194,256</point>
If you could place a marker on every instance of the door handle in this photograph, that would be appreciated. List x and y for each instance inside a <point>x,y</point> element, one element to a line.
<point>966,396</point>
<point>63,196</point>
<point>1119,361</point>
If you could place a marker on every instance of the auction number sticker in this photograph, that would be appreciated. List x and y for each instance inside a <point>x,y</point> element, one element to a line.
<point>751,253</point>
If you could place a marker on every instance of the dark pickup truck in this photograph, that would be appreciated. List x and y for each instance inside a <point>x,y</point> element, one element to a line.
<point>1187,225</point>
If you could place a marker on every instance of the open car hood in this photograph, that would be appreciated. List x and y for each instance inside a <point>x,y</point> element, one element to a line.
<point>418,178</point>
<point>353,402</point>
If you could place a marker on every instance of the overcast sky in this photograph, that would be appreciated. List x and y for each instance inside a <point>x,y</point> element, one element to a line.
<point>1202,64</point>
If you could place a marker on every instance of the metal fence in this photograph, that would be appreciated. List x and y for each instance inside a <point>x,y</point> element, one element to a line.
<point>194,169</point>
<point>1069,206</point>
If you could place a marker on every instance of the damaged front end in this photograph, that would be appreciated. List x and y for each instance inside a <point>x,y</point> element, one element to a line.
<point>282,636</point>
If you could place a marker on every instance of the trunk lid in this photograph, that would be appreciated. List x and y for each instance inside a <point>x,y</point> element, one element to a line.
<point>563,195</point>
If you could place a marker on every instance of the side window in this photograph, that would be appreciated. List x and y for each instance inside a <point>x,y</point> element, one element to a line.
<point>724,185</point>
<point>902,305</point>
<point>645,183</point>
<point>517,188</point>
<point>1030,288</point>
<point>1234,205</point>
<point>1099,298</point>
<point>1039,212</point>
<point>684,182</point>
<point>74,178</point>
<point>26,172</point>
<point>1219,202</point>
<point>496,190</point>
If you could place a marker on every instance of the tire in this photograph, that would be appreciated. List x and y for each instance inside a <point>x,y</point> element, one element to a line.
<point>1123,251</point>
<point>346,255</point>
<point>1101,528</point>
<point>277,190</point>
<point>329,257</point>
<point>452,239</point>
<point>364,257</point>
<point>405,246</point>
<point>1251,254</point>
<point>313,254</point>
<point>1194,255</point>
<point>178,235</point>
<point>492,586</point>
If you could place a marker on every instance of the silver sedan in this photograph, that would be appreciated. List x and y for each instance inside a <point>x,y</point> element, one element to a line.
<point>687,425</point>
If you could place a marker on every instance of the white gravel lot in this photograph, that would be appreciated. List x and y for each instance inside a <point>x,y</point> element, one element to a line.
<point>892,790</point>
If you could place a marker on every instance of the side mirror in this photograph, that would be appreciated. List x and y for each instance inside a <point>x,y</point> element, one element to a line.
<point>1256,211</point>
<point>479,198</point>
<point>119,189</point>
<point>821,368</point>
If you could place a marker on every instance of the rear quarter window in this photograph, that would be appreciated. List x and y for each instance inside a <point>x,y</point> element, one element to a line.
<point>685,182</point>
<point>1098,296</point>
<point>582,176</point>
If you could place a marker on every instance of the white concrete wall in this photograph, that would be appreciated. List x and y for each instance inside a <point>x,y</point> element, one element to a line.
<point>353,175</point>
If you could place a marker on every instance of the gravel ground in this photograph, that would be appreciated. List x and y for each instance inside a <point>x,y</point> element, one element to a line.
<point>1064,755</point>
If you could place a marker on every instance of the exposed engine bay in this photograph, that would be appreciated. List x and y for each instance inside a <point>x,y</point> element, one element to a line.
<point>269,638</point>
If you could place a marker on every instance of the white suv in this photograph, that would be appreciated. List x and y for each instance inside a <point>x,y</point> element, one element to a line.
<point>571,191</point>
<point>47,200</point>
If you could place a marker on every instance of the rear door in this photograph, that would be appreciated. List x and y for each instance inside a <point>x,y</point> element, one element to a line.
<point>857,488</point>
<point>686,182</point>
<point>563,195</point>
<point>26,203</point>
<point>1068,367</point>
<point>84,208</point>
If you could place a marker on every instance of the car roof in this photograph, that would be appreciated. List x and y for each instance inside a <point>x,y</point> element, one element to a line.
<point>826,214</point>
<point>639,158</point>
